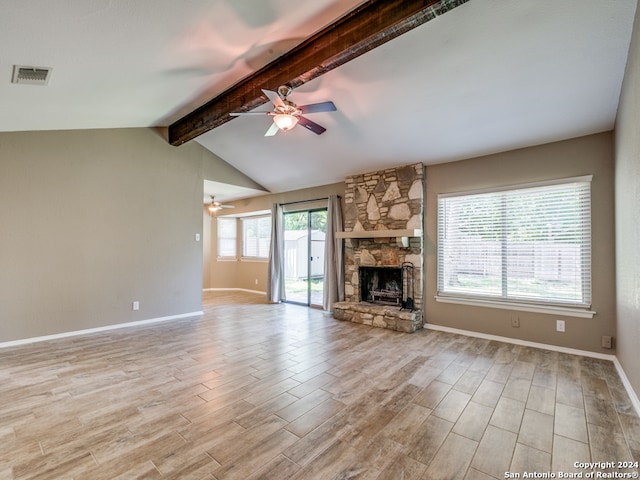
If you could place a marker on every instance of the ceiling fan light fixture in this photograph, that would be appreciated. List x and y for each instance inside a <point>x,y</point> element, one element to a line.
<point>285,121</point>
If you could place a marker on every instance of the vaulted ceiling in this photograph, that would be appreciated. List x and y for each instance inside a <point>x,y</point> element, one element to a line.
<point>487,76</point>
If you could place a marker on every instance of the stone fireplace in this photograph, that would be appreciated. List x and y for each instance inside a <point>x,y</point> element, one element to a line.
<point>383,221</point>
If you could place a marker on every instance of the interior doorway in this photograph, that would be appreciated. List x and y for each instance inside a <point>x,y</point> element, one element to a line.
<point>304,237</point>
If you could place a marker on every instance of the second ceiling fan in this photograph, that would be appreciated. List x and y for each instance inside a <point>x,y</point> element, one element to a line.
<point>287,114</point>
<point>214,205</point>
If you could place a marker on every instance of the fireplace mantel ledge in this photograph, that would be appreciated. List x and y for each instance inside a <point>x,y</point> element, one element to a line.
<point>380,233</point>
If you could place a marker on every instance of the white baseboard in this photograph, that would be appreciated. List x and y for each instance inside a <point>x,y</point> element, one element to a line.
<point>525,343</point>
<point>106,328</point>
<point>627,386</point>
<point>585,353</point>
<point>233,289</point>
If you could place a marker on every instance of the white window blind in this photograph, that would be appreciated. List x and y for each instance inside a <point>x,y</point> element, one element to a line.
<point>526,244</point>
<point>256,236</point>
<point>227,231</point>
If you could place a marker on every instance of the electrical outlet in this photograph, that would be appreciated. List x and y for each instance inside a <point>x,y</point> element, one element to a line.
<point>515,322</point>
<point>136,305</point>
<point>607,341</point>
<point>256,281</point>
<point>560,325</point>
<point>197,237</point>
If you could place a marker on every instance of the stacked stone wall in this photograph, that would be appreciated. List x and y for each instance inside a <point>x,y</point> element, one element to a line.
<point>391,199</point>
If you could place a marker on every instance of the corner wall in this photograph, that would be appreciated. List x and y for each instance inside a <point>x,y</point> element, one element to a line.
<point>580,156</point>
<point>627,200</point>
<point>92,220</point>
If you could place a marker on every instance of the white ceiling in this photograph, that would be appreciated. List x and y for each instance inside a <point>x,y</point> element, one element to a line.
<point>489,76</point>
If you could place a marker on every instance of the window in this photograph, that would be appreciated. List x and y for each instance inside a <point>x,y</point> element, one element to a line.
<point>256,236</point>
<point>227,228</point>
<point>526,244</point>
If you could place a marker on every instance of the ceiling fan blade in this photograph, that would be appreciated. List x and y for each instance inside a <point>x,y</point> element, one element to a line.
<point>273,129</point>
<point>227,206</point>
<point>318,107</point>
<point>309,125</point>
<point>237,114</point>
<point>274,97</point>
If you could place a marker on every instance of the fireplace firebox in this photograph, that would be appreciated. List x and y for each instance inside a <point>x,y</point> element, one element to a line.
<point>381,285</point>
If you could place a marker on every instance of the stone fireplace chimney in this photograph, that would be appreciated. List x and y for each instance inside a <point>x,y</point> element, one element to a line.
<point>383,222</point>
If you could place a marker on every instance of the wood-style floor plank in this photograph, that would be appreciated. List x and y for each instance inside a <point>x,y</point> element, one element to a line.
<point>260,391</point>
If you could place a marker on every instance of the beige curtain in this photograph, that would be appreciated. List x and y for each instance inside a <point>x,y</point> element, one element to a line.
<point>333,253</point>
<point>275,274</point>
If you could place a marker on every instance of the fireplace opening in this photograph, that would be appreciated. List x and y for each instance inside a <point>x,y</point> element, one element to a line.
<point>381,285</point>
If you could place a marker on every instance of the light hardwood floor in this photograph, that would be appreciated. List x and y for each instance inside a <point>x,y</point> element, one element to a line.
<point>257,391</point>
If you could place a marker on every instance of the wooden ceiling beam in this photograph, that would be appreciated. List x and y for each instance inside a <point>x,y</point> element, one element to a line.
<point>364,28</point>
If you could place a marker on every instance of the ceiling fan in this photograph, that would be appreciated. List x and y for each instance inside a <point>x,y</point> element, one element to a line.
<point>214,206</point>
<point>287,114</point>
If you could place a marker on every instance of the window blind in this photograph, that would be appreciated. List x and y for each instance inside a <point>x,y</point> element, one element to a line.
<point>525,244</point>
<point>256,236</point>
<point>227,237</point>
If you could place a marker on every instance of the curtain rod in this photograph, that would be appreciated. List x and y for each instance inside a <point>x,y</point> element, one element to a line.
<point>306,201</point>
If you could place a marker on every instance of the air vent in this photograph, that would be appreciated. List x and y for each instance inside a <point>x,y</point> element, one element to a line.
<point>31,75</point>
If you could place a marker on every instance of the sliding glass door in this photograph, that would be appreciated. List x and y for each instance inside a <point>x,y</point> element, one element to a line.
<point>304,233</point>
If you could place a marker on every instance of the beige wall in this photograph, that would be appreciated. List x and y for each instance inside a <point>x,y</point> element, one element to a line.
<point>627,183</point>
<point>244,273</point>
<point>91,221</point>
<point>581,156</point>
